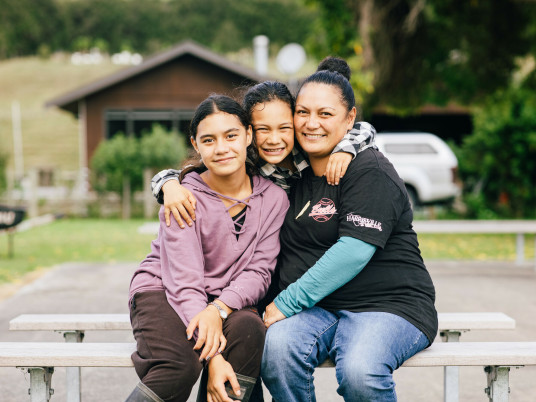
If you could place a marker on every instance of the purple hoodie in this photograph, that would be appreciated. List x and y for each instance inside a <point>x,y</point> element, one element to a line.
<point>207,259</point>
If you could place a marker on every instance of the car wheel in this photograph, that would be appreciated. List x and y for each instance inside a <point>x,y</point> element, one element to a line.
<point>413,198</point>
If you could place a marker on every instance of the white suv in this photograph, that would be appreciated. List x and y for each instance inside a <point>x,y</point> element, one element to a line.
<point>425,163</point>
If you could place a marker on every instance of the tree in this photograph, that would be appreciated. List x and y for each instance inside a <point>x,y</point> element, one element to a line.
<point>161,149</point>
<point>28,26</point>
<point>25,25</point>
<point>118,163</point>
<point>429,51</point>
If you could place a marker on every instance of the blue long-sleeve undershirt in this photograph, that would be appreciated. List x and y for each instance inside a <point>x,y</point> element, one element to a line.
<point>339,265</point>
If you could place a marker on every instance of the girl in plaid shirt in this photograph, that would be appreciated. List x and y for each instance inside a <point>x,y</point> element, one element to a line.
<point>270,106</point>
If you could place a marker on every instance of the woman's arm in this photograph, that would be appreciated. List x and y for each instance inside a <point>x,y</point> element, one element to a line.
<point>323,278</point>
<point>359,138</point>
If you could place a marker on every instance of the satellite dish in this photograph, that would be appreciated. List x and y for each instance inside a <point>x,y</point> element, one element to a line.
<point>290,58</point>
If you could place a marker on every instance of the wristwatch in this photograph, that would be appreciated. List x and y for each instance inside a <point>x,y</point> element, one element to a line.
<point>223,313</point>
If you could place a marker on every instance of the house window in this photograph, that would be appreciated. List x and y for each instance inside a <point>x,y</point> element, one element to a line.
<point>139,122</point>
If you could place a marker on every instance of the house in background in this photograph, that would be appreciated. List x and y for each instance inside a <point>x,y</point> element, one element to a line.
<point>164,89</point>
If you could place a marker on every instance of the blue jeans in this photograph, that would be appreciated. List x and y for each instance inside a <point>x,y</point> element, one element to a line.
<point>365,347</point>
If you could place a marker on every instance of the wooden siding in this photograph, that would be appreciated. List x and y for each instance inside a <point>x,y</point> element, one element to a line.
<point>180,84</point>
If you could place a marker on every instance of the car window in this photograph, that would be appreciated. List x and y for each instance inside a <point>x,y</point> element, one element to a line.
<point>410,148</point>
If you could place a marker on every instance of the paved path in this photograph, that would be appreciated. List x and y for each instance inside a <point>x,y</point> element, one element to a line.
<point>98,288</point>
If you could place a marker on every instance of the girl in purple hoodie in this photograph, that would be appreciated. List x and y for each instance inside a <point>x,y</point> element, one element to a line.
<point>192,299</point>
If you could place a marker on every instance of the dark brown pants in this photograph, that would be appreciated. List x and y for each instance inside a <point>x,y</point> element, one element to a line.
<point>165,360</point>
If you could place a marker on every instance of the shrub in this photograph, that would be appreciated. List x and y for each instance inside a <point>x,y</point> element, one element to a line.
<point>161,149</point>
<point>126,157</point>
<point>498,161</point>
<point>114,160</point>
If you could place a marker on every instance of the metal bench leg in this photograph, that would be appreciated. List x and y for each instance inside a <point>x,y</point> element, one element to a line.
<point>72,374</point>
<point>498,388</point>
<point>451,376</point>
<point>40,381</point>
<point>520,248</point>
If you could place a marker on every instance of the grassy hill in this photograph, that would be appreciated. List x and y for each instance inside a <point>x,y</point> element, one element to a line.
<point>49,136</point>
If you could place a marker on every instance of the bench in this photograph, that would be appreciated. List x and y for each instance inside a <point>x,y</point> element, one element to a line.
<point>450,324</point>
<point>518,227</point>
<point>40,359</point>
<point>73,327</point>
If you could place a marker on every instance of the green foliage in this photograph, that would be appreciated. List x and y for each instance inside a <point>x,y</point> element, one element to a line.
<point>69,240</point>
<point>147,26</point>
<point>114,160</point>
<point>162,150</point>
<point>126,157</point>
<point>25,25</point>
<point>434,51</point>
<point>337,29</point>
<point>498,161</point>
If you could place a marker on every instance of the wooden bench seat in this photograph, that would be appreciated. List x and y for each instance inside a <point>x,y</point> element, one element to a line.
<point>41,358</point>
<point>460,322</point>
<point>73,327</point>
<point>60,354</point>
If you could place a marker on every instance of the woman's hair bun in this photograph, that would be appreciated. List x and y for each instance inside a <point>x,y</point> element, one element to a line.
<point>335,64</point>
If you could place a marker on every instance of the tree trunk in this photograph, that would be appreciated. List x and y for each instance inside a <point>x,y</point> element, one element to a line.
<point>365,32</point>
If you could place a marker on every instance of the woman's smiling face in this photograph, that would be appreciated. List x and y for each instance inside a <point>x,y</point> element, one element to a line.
<point>321,119</point>
<point>274,130</point>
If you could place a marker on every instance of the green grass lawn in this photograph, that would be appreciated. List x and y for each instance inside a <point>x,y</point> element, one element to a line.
<point>73,240</point>
<point>98,240</point>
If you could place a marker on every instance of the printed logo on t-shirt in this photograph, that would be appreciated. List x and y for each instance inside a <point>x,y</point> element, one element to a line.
<point>358,220</point>
<point>323,210</point>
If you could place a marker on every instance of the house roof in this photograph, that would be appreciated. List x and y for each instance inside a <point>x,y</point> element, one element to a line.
<point>69,100</point>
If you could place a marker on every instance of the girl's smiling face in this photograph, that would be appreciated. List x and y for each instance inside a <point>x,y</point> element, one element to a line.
<point>274,131</point>
<point>222,142</point>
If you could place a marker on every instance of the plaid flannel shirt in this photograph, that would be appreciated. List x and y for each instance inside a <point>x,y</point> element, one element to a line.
<point>359,138</point>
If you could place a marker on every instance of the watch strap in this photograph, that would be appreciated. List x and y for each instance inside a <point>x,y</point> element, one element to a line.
<point>223,313</point>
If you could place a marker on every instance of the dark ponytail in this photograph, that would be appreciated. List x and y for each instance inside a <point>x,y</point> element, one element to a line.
<point>334,71</point>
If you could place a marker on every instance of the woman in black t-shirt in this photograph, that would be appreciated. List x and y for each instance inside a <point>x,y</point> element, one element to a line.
<point>356,289</point>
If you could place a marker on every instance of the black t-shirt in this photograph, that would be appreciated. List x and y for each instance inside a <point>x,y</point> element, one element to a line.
<point>370,204</point>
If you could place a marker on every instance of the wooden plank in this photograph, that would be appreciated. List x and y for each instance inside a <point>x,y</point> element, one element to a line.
<point>475,321</point>
<point>59,354</point>
<point>70,322</point>
<point>85,322</point>
<point>475,354</point>
<point>475,226</point>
